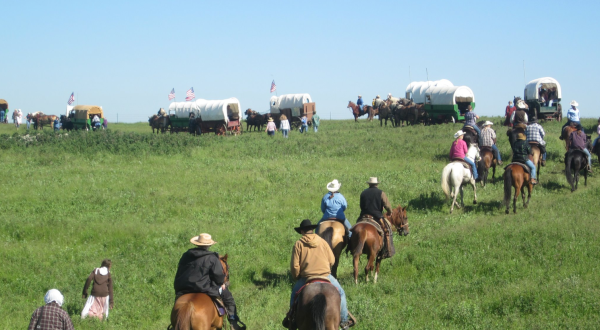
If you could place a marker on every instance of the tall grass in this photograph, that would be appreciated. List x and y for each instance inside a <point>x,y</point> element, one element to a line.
<point>67,202</point>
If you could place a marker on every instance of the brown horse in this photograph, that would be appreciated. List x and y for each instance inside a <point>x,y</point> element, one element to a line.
<point>333,233</point>
<point>39,120</point>
<point>197,311</point>
<point>160,124</point>
<point>385,113</point>
<point>356,111</point>
<point>537,158</point>
<point>515,176</point>
<point>487,161</point>
<point>366,240</point>
<point>318,308</point>
<point>566,135</point>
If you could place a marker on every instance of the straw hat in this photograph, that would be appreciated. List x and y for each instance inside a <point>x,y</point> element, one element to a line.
<point>459,133</point>
<point>487,122</point>
<point>574,103</point>
<point>522,105</point>
<point>202,240</point>
<point>270,119</point>
<point>305,225</point>
<point>334,185</point>
<point>373,180</point>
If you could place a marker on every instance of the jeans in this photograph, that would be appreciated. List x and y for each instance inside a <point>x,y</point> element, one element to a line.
<point>303,128</point>
<point>285,132</point>
<point>1,116</point>
<point>316,128</point>
<point>532,168</point>
<point>473,167</point>
<point>346,223</point>
<point>343,305</point>
<point>271,133</point>
<point>28,124</point>
<point>497,152</point>
<point>589,156</point>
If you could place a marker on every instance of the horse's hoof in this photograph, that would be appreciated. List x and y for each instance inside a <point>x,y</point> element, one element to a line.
<point>474,202</point>
<point>507,212</point>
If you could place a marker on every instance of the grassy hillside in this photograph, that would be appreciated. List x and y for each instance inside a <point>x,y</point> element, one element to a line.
<point>68,202</point>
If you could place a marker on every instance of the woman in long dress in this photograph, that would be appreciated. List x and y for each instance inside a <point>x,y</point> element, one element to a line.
<point>101,299</point>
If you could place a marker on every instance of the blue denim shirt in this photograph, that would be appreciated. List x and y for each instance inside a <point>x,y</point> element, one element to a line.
<point>334,207</point>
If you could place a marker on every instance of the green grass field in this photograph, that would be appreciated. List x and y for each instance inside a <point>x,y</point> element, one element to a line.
<point>67,202</point>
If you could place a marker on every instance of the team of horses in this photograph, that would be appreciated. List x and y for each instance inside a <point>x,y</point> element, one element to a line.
<point>39,119</point>
<point>397,111</point>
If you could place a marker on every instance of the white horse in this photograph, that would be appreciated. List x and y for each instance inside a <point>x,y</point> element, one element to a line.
<point>454,176</point>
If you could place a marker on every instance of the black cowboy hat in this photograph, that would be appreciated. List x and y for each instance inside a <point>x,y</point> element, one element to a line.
<point>579,127</point>
<point>305,225</point>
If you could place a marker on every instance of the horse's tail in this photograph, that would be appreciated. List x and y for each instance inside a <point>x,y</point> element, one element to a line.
<point>319,309</point>
<point>327,235</point>
<point>507,185</point>
<point>362,238</point>
<point>446,180</point>
<point>568,174</point>
<point>184,317</point>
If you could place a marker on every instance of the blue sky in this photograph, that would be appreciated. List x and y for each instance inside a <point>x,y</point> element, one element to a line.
<point>126,56</point>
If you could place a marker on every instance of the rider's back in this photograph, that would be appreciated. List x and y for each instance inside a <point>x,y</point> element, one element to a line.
<point>199,271</point>
<point>521,151</point>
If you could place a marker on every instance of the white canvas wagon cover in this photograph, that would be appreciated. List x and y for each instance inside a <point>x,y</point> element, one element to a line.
<point>450,95</point>
<point>288,101</point>
<point>418,89</point>
<point>532,89</point>
<point>209,110</point>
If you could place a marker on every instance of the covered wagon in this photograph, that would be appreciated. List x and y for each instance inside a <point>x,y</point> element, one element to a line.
<point>441,99</point>
<point>218,116</point>
<point>543,97</point>
<point>293,106</point>
<point>81,116</point>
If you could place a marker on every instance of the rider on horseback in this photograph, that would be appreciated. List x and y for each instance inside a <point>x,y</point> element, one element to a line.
<point>535,133</point>
<point>470,118</point>
<point>578,142</point>
<point>312,259</point>
<point>372,202</point>
<point>572,116</point>
<point>377,102</point>
<point>459,150</point>
<point>488,139</point>
<point>359,103</point>
<point>334,204</point>
<point>521,151</point>
<point>200,271</point>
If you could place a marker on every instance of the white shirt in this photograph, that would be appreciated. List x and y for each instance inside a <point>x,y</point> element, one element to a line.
<point>285,124</point>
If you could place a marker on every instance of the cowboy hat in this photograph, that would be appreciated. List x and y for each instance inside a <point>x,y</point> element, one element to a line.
<point>574,103</point>
<point>270,119</point>
<point>522,105</point>
<point>487,122</point>
<point>305,225</point>
<point>334,185</point>
<point>377,97</point>
<point>202,240</point>
<point>373,180</point>
<point>521,136</point>
<point>459,133</point>
<point>360,96</point>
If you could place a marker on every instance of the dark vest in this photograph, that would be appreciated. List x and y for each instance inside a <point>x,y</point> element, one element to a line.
<point>519,117</point>
<point>371,203</point>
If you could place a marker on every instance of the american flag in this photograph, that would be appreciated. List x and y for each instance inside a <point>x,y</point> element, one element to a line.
<point>71,99</point>
<point>273,87</point>
<point>190,94</point>
<point>172,94</point>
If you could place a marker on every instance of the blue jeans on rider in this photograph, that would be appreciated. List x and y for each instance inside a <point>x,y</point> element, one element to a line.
<point>532,168</point>
<point>497,152</point>
<point>343,306</point>
<point>473,167</point>
<point>569,123</point>
<point>589,156</point>
<point>346,223</point>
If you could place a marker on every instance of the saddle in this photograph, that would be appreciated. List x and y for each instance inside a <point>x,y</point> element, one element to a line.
<point>534,143</point>
<point>486,148</point>
<point>463,162</point>
<point>292,312</point>
<point>346,231</point>
<point>219,305</point>
<point>371,221</point>
<point>524,166</point>
<point>470,129</point>
<point>388,250</point>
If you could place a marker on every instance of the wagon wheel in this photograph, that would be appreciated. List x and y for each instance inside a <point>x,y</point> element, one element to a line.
<point>221,130</point>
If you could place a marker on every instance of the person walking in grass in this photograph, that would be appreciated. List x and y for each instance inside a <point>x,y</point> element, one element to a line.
<point>271,127</point>
<point>312,259</point>
<point>304,122</point>
<point>508,113</point>
<point>105,124</point>
<point>51,316</point>
<point>316,120</point>
<point>101,299</point>
<point>56,125</point>
<point>333,205</point>
<point>284,125</point>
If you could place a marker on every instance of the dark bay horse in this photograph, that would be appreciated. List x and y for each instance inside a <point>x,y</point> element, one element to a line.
<point>385,113</point>
<point>255,119</point>
<point>366,240</point>
<point>487,161</point>
<point>515,176</point>
<point>197,311</point>
<point>575,161</point>
<point>596,151</point>
<point>333,233</point>
<point>318,308</point>
<point>160,124</point>
<point>367,110</point>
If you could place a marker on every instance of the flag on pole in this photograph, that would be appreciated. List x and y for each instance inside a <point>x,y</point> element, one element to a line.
<point>71,99</point>
<point>172,94</point>
<point>190,94</point>
<point>273,87</point>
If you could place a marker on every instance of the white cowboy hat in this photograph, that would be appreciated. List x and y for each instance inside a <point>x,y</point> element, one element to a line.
<point>360,96</point>
<point>334,185</point>
<point>202,240</point>
<point>487,122</point>
<point>522,105</point>
<point>373,180</point>
<point>377,97</point>
<point>574,103</point>
<point>459,133</point>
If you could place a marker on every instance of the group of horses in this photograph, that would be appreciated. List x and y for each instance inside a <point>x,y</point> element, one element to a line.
<point>397,111</point>
<point>39,119</point>
<point>318,303</point>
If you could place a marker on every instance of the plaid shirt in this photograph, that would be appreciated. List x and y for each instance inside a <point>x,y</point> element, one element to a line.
<point>50,317</point>
<point>536,133</point>
<point>470,118</point>
<point>487,137</point>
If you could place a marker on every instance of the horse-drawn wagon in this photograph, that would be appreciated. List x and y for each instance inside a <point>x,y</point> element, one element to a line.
<point>294,107</point>
<point>218,116</point>
<point>442,100</point>
<point>543,97</point>
<point>81,116</point>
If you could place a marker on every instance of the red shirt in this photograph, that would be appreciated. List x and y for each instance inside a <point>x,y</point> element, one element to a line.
<point>459,149</point>
<point>509,111</point>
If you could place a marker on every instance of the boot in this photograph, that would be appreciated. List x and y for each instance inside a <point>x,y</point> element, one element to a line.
<point>234,323</point>
<point>543,162</point>
<point>500,162</point>
<point>589,169</point>
<point>286,322</point>
<point>350,323</point>
<point>534,182</point>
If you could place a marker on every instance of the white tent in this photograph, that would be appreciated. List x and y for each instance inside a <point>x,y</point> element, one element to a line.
<point>418,89</point>
<point>209,110</point>
<point>450,95</point>
<point>289,101</point>
<point>532,89</point>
